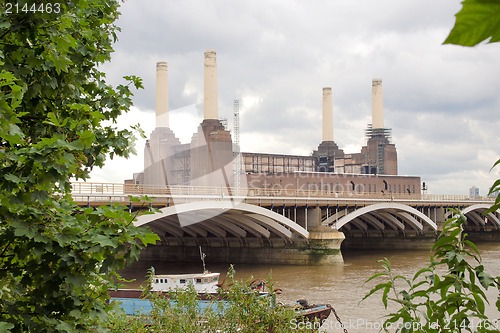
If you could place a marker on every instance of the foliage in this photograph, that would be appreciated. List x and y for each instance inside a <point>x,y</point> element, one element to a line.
<point>243,310</point>
<point>57,260</point>
<point>478,20</point>
<point>495,188</point>
<point>431,302</point>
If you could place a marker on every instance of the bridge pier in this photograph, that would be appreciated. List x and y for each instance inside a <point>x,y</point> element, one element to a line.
<point>324,246</point>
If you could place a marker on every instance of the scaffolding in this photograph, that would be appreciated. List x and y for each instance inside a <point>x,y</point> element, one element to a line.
<point>371,132</point>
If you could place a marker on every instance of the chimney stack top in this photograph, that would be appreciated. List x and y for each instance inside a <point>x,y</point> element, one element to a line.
<point>162,94</point>
<point>377,104</point>
<point>210,104</point>
<point>161,65</point>
<point>327,114</point>
<point>210,54</point>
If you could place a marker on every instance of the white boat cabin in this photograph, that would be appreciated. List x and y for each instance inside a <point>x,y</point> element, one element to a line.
<point>202,282</point>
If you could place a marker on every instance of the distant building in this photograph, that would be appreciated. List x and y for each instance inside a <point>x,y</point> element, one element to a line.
<point>474,191</point>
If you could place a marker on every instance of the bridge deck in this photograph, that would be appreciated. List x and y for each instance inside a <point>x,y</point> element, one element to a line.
<point>95,194</point>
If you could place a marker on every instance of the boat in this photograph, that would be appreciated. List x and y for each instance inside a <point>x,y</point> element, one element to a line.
<point>206,284</point>
<point>312,312</point>
<point>133,302</point>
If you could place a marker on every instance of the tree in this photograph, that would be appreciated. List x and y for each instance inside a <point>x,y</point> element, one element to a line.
<point>57,260</point>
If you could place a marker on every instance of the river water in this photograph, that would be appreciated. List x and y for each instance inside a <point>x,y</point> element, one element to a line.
<point>341,285</point>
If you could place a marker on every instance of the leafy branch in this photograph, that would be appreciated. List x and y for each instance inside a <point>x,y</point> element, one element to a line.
<point>435,302</point>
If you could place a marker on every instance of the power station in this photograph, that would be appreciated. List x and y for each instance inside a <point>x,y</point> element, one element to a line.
<point>211,159</point>
<point>247,207</point>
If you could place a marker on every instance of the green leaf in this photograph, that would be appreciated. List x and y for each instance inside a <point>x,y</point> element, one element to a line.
<point>54,121</point>
<point>15,134</point>
<point>494,165</point>
<point>386,292</point>
<point>450,255</point>
<point>443,241</point>
<point>149,238</point>
<point>494,187</point>
<point>460,257</point>
<point>485,279</point>
<point>420,272</point>
<point>472,246</point>
<point>86,138</point>
<point>374,290</point>
<point>405,295</point>
<point>104,240</point>
<point>4,24</point>
<point>23,230</point>
<point>12,178</point>
<point>5,327</point>
<point>478,20</point>
<point>374,276</point>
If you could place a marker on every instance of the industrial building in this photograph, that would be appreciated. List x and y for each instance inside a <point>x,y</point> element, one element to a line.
<point>211,158</point>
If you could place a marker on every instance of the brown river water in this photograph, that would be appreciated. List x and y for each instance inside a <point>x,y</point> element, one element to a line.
<point>341,285</point>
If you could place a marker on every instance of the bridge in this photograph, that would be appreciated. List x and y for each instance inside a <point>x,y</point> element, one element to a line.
<point>286,225</point>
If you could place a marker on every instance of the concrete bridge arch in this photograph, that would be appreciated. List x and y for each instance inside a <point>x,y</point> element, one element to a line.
<point>222,219</point>
<point>379,216</point>
<point>476,214</point>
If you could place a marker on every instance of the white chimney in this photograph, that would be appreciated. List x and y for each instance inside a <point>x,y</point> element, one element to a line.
<point>377,104</point>
<point>162,94</point>
<point>210,106</point>
<point>327,115</point>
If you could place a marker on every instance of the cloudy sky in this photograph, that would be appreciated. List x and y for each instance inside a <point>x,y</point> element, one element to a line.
<point>441,101</point>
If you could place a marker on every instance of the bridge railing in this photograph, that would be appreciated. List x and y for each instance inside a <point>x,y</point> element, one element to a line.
<point>85,189</point>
